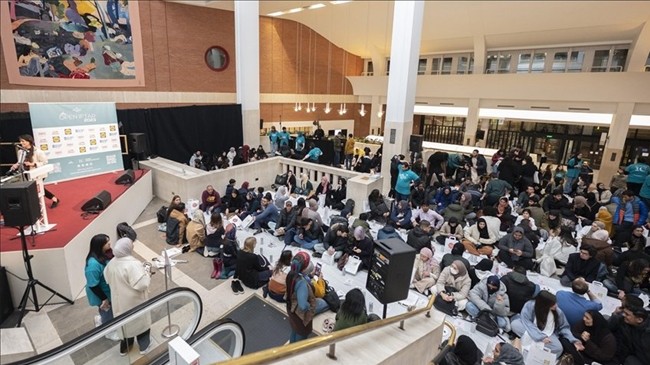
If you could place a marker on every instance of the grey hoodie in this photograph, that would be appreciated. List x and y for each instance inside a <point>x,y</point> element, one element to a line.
<point>509,355</point>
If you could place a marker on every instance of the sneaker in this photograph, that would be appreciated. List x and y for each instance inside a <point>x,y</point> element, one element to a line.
<point>257,231</point>
<point>233,286</point>
<point>271,231</point>
<point>265,291</point>
<point>240,288</point>
<point>113,336</point>
<point>124,349</point>
<point>317,255</point>
<point>143,352</point>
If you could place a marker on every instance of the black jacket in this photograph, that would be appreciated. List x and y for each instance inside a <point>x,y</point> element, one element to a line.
<point>248,267</point>
<point>520,290</point>
<point>418,239</point>
<point>378,208</point>
<point>333,240</point>
<point>577,267</point>
<point>287,219</point>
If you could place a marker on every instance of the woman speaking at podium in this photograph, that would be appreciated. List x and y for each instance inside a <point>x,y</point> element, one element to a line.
<point>32,157</point>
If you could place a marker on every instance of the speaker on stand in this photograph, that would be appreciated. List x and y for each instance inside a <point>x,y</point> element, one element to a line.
<point>138,146</point>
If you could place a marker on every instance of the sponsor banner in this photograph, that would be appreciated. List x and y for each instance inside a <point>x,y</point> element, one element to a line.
<point>78,139</point>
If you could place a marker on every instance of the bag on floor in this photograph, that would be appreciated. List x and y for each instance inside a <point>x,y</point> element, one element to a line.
<point>125,230</point>
<point>281,179</point>
<point>332,299</point>
<point>353,265</point>
<point>161,214</point>
<point>485,324</point>
<point>319,287</point>
<point>342,261</point>
<point>444,306</point>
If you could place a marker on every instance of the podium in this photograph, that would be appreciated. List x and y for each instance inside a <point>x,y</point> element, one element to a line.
<point>39,174</point>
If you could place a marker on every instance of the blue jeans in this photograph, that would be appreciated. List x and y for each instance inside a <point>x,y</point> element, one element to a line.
<point>295,337</point>
<point>306,244</point>
<point>321,306</point>
<point>502,322</point>
<point>568,184</point>
<point>399,197</point>
<point>555,346</point>
<point>348,161</point>
<point>274,148</point>
<point>337,158</point>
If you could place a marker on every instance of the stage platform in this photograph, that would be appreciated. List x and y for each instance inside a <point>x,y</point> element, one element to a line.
<point>59,254</point>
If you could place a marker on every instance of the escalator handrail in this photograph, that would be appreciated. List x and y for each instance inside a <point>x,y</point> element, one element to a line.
<point>115,324</point>
<point>199,336</point>
<point>292,349</point>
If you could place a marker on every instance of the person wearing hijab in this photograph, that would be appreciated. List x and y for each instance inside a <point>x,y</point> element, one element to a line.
<point>545,323</point>
<point>450,228</point>
<point>281,196</point>
<point>454,276</point>
<point>516,249</point>
<point>582,210</point>
<point>466,351</point>
<point>427,270</point>
<point>300,299</point>
<point>401,215</point>
<point>195,231</point>
<point>479,239</point>
<point>490,295</point>
<point>588,230</point>
<point>505,353</point>
<point>605,216</point>
<point>362,247</point>
<point>129,281</point>
<point>323,188</point>
<point>598,341</point>
<point>231,156</point>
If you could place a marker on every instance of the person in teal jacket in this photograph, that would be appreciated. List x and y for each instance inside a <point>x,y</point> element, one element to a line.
<point>644,194</point>
<point>273,138</point>
<point>314,154</point>
<point>284,137</point>
<point>97,290</point>
<point>572,172</point>
<point>636,174</point>
<point>404,180</point>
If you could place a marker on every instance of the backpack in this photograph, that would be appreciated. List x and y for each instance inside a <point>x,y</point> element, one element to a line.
<point>125,230</point>
<point>161,214</point>
<point>332,299</point>
<point>485,324</point>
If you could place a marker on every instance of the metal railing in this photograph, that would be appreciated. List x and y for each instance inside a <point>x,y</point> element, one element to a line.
<point>315,171</point>
<point>284,352</point>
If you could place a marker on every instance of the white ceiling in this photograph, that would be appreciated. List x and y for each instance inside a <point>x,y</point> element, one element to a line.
<point>362,27</point>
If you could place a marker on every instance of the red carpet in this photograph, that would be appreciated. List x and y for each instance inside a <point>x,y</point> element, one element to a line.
<point>67,216</point>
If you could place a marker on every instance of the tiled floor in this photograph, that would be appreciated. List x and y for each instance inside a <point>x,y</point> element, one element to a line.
<point>56,325</point>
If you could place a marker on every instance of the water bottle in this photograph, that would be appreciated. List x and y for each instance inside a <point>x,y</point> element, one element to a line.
<point>370,307</point>
<point>262,251</point>
<point>343,271</point>
<point>271,259</point>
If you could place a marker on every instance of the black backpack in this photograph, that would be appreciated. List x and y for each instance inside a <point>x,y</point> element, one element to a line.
<point>161,214</point>
<point>125,230</point>
<point>485,324</point>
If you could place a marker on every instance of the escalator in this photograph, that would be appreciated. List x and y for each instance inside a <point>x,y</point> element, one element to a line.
<point>177,312</point>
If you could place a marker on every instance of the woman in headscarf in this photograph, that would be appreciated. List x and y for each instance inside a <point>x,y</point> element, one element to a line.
<point>552,222</point>
<point>480,240</point>
<point>281,196</point>
<point>516,250</point>
<point>291,182</point>
<point>362,247</point>
<point>465,203</point>
<point>195,231</point>
<point>454,284</point>
<point>505,354</point>
<point>598,341</point>
<point>582,210</point>
<point>449,228</point>
<point>129,280</point>
<point>401,215</point>
<point>545,323</point>
<point>323,188</point>
<point>231,156</point>
<point>605,216</point>
<point>427,270</point>
<point>300,299</point>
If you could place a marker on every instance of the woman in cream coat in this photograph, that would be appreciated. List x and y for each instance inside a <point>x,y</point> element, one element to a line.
<point>129,280</point>
<point>427,270</point>
<point>456,276</point>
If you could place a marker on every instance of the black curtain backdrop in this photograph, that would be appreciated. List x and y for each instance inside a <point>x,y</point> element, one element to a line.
<point>176,133</point>
<point>172,133</point>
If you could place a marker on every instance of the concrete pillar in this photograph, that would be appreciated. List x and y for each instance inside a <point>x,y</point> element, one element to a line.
<point>405,53</point>
<point>485,126</point>
<point>247,57</point>
<point>639,50</point>
<point>379,61</point>
<point>480,54</point>
<point>613,152</point>
<point>471,124</point>
<point>375,120</point>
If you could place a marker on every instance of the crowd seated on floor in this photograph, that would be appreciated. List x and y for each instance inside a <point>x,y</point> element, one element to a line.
<point>491,232</point>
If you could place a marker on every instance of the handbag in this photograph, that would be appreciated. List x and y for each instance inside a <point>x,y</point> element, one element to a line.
<point>319,287</point>
<point>485,324</point>
<point>444,306</point>
<point>332,299</point>
<point>281,179</point>
<point>342,261</point>
<point>161,214</point>
<point>353,265</point>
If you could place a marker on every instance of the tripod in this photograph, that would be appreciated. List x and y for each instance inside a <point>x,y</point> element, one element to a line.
<point>32,283</point>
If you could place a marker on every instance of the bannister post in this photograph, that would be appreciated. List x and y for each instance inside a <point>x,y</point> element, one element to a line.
<point>332,352</point>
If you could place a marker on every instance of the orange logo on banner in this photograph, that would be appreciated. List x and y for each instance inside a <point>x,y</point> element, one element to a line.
<point>102,135</point>
<point>44,147</point>
<point>112,128</point>
<point>56,139</point>
<point>67,131</point>
<point>93,142</point>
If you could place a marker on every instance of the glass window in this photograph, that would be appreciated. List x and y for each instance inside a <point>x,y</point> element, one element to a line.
<point>370,69</point>
<point>462,65</point>
<point>435,66</point>
<point>600,61</point>
<point>387,67</point>
<point>618,60</point>
<point>446,65</point>
<point>524,63</point>
<point>491,64</point>
<point>504,63</point>
<point>538,62</point>
<point>559,62</point>
<point>470,68</point>
<point>575,61</point>
<point>422,66</point>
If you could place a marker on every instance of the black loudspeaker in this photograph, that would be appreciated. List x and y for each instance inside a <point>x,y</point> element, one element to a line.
<point>480,134</point>
<point>138,145</point>
<point>415,143</point>
<point>127,178</point>
<point>6,304</point>
<point>261,123</point>
<point>99,202</point>
<point>390,271</point>
<point>19,203</point>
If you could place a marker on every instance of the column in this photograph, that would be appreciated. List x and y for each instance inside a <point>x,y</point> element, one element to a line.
<point>375,120</point>
<point>378,61</point>
<point>247,57</point>
<point>479,54</point>
<point>639,50</point>
<point>613,152</point>
<point>471,124</point>
<point>405,52</point>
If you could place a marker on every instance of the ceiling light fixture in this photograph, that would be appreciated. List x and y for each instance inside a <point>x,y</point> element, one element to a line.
<point>327,109</point>
<point>339,2</point>
<point>362,111</point>
<point>316,6</point>
<point>294,10</point>
<point>277,13</point>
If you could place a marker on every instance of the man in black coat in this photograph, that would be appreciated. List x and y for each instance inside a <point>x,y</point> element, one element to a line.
<point>581,264</point>
<point>419,237</point>
<point>519,288</point>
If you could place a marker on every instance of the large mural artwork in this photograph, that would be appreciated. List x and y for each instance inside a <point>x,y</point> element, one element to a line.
<point>73,43</point>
